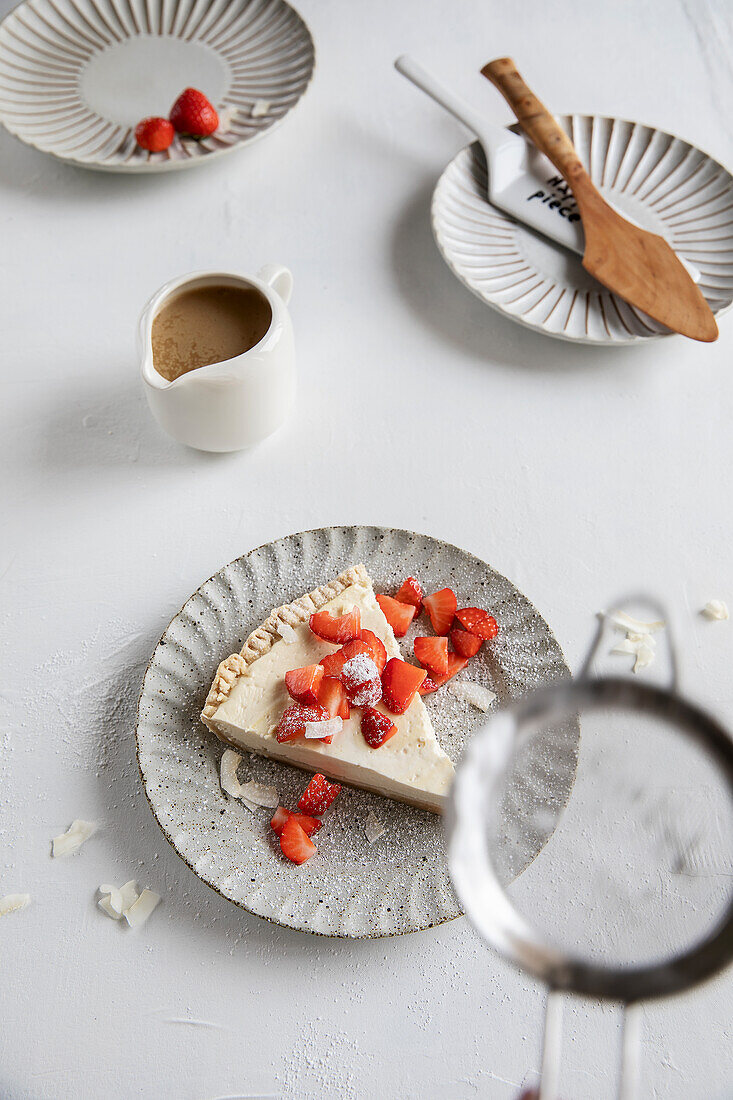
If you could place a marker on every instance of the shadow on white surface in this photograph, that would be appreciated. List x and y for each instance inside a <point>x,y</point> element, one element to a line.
<point>459,319</point>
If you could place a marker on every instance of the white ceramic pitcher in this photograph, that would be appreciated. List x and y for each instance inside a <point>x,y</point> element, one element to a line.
<point>234,404</point>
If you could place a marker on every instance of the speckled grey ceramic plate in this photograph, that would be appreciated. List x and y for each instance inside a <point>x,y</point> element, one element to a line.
<point>351,888</point>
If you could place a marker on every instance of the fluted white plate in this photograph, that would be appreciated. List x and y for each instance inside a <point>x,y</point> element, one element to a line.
<point>659,181</point>
<point>76,76</point>
<point>350,888</point>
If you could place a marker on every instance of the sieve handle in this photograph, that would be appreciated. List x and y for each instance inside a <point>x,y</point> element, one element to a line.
<point>658,609</point>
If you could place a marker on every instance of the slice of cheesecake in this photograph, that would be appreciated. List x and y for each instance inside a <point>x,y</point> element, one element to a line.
<point>248,697</point>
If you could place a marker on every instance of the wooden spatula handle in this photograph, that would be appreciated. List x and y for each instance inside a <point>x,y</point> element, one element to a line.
<point>537,122</point>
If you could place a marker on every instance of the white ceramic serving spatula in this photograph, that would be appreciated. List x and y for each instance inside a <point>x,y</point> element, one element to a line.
<point>522,181</point>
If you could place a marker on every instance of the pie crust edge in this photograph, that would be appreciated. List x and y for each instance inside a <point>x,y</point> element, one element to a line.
<point>264,637</point>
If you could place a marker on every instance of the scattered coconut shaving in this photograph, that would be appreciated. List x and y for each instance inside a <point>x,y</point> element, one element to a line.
<point>227,115</point>
<point>475,694</point>
<point>260,108</point>
<point>12,902</point>
<point>71,841</point>
<point>716,610</point>
<point>373,827</point>
<point>230,761</point>
<point>115,901</point>
<point>287,632</point>
<point>630,625</point>
<point>259,795</point>
<point>329,727</point>
<point>639,646</point>
<point>141,909</point>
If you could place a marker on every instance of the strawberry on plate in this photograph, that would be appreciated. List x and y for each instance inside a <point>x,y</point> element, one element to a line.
<point>193,115</point>
<point>295,843</point>
<point>478,622</point>
<point>456,664</point>
<point>292,724</point>
<point>400,682</point>
<point>428,686</point>
<point>376,727</point>
<point>332,696</point>
<point>465,644</point>
<point>432,653</point>
<point>336,628</point>
<point>318,795</point>
<point>309,825</point>
<point>303,683</point>
<point>441,607</point>
<point>154,134</point>
<point>378,652</point>
<point>398,615</point>
<point>411,592</point>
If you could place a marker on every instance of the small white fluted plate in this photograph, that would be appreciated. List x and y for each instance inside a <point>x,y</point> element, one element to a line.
<point>76,76</point>
<point>662,183</point>
<point>350,888</point>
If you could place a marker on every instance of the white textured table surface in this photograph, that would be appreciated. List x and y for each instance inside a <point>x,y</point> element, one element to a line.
<point>577,472</point>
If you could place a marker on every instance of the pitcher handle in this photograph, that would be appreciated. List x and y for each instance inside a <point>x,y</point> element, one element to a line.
<point>279,278</point>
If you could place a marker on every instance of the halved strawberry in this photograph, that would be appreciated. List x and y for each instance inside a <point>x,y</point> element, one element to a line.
<point>478,622</point>
<point>295,843</point>
<point>292,723</point>
<point>309,825</point>
<point>441,607</point>
<point>400,682</point>
<point>456,664</point>
<point>411,592</point>
<point>360,677</point>
<point>318,795</point>
<point>432,653</point>
<point>398,615</point>
<point>332,696</point>
<point>428,686</point>
<point>465,644</point>
<point>379,653</point>
<point>376,727</point>
<point>281,815</point>
<point>336,628</point>
<point>303,683</point>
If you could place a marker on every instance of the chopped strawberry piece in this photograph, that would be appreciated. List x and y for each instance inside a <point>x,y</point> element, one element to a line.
<point>353,649</point>
<point>398,615</point>
<point>432,653</point>
<point>441,607</point>
<point>465,644</point>
<point>336,628</point>
<point>400,682</point>
<point>411,592</point>
<point>361,680</point>
<point>376,647</point>
<point>295,843</point>
<point>303,683</point>
<point>456,664</point>
<point>318,795</point>
<point>332,696</point>
<point>478,622</point>
<point>376,727</point>
<point>428,686</point>
<point>292,723</point>
<point>279,818</point>
<point>332,663</point>
<point>309,825</point>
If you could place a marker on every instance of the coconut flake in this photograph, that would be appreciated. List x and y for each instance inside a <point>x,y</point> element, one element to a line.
<point>286,631</point>
<point>140,910</point>
<point>257,794</point>
<point>230,761</point>
<point>115,901</point>
<point>71,841</point>
<point>716,610</point>
<point>475,694</point>
<point>12,902</point>
<point>629,624</point>
<point>640,646</point>
<point>328,727</point>
<point>373,827</point>
<point>260,108</point>
<point>227,115</point>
